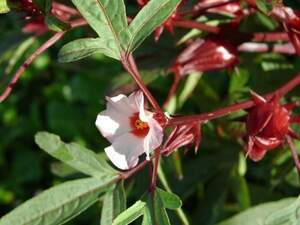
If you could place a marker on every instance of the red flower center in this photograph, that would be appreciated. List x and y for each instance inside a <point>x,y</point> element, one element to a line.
<point>138,128</point>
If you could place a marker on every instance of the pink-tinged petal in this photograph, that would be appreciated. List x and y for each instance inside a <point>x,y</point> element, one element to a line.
<point>121,103</point>
<point>112,123</point>
<point>154,137</point>
<point>136,99</point>
<point>125,151</point>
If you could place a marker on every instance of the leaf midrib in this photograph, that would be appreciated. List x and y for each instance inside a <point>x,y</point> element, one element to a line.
<point>110,26</point>
<point>142,24</point>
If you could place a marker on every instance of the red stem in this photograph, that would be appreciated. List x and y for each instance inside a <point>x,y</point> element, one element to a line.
<point>130,65</point>
<point>27,62</point>
<point>229,109</point>
<point>64,8</point>
<point>294,152</point>
<point>155,170</point>
<point>133,171</point>
<point>189,24</point>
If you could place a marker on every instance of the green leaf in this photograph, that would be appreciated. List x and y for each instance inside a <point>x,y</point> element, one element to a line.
<point>74,155</point>
<point>62,170</point>
<point>55,24</point>
<point>155,212</point>
<point>169,200</point>
<point>285,216</point>
<point>58,204</point>
<point>163,180</point>
<point>257,215</point>
<point>189,87</point>
<point>81,48</point>
<point>161,216</point>
<point>4,6</point>
<point>44,5</point>
<point>108,19</point>
<point>150,17</point>
<point>130,214</point>
<point>113,204</point>
<point>264,6</point>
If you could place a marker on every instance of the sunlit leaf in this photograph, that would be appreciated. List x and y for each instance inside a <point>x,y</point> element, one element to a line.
<point>58,204</point>
<point>74,155</point>
<point>4,6</point>
<point>82,48</point>
<point>130,214</point>
<point>151,16</point>
<point>108,19</point>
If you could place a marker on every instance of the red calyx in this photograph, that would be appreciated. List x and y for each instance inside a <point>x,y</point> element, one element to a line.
<point>267,126</point>
<point>33,16</point>
<point>181,136</point>
<point>291,23</point>
<point>205,55</point>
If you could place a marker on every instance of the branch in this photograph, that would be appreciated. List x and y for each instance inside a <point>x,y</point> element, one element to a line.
<point>56,37</point>
<point>233,108</point>
<point>130,65</point>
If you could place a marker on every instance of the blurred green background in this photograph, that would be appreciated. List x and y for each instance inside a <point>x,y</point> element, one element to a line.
<point>65,99</point>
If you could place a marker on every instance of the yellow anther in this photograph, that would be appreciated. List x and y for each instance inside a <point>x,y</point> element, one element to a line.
<point>140,124</point>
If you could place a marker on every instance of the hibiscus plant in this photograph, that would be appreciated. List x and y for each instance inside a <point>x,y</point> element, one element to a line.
<point>144,132</point>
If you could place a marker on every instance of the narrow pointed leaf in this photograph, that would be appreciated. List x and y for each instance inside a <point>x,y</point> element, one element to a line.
<point>4,7</point>
<point>161,216</point>
<point>150,17</point>
<point>74,155</point>
<point>130,214</point>
<point>82,48</point>
<point>58,204</point>
<point>113,204</point>
<point>55,24</point>
<point>108,19</point>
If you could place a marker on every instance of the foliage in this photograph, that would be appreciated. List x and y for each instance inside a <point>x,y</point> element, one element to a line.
<point>219,185</point>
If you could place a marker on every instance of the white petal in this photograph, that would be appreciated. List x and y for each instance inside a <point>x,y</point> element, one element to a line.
<point>154,137</point>
<point>112,124</point>
<point>125,151</point>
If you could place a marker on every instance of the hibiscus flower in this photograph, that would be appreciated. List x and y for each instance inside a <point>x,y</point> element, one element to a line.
<point>130,128</point>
